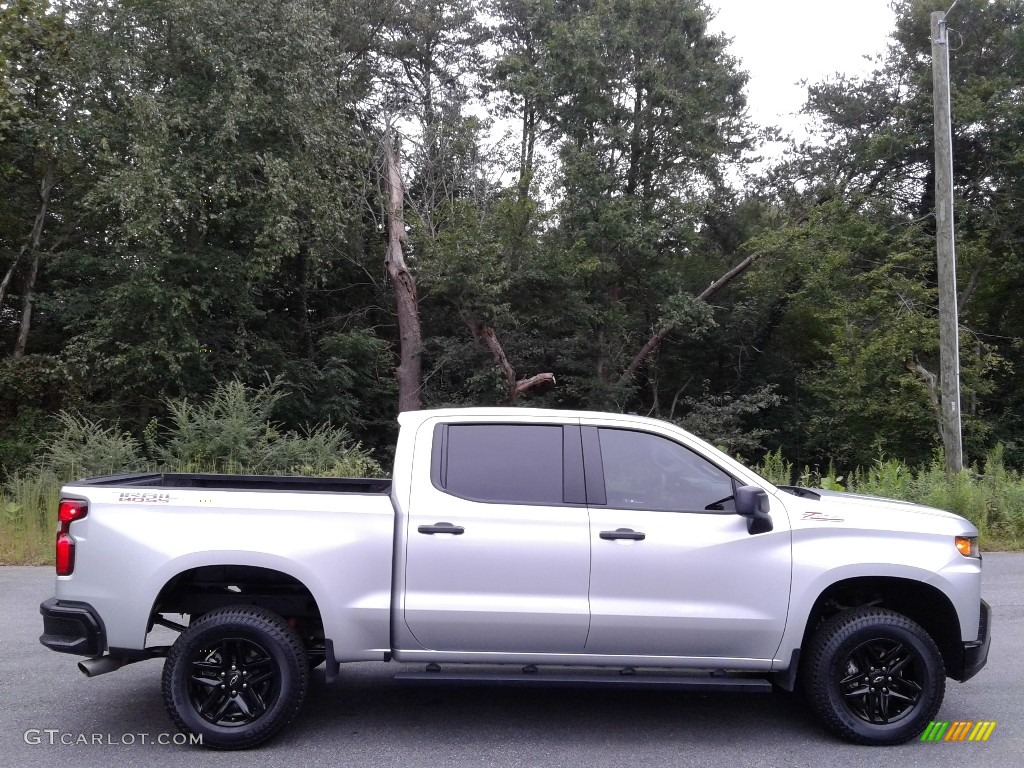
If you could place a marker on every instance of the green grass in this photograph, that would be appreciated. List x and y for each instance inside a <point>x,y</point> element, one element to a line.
<point>28,520</point>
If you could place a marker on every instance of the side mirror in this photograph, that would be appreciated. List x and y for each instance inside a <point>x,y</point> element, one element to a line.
<point>752,503</point>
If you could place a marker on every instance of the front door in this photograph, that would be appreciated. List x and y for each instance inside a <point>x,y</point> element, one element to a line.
<point>674,571</point>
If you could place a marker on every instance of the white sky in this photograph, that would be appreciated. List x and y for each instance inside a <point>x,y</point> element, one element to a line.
<point>780,42</point>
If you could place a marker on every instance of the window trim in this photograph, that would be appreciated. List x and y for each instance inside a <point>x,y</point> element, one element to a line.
<point>573,483</point>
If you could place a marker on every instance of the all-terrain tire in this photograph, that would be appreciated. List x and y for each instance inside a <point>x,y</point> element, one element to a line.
<point>873,676</point>
<point>235,677</point>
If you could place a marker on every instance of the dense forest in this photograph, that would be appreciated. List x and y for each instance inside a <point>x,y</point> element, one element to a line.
<point>366,205</point>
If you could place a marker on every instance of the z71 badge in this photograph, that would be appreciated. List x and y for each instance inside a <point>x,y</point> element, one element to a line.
<point>145,497</point>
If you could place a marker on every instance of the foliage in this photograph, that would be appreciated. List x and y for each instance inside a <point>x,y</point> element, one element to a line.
<point>233,432</point>
<point>82,447</point>
<point>217,215</point>
<point>775,469</point>
<point>719,419</point>
<point>28,505</point>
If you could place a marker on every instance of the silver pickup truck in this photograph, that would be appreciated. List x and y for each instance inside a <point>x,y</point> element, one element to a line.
<point>528,547</point>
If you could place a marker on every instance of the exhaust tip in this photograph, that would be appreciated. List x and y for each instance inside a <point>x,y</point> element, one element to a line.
<point>100,665</point>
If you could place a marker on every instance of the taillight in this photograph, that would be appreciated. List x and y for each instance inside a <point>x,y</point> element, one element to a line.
<point>68,511</point>
<point>71,510</point>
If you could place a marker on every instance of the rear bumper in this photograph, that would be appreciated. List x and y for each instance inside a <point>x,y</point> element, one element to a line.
<point>72,627</point>
<point>976,651</point>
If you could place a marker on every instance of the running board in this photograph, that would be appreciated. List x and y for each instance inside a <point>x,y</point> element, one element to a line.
<point>562,680</point>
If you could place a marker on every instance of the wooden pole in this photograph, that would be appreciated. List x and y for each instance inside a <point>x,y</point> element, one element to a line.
<point>949,326</point>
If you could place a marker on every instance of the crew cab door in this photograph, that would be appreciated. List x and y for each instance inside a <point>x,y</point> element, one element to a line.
<point>674,571</point>
<point>498,540</point>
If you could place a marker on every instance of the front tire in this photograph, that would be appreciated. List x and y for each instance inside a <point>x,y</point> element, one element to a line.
<point>874,677</point>
<point>235,677</point>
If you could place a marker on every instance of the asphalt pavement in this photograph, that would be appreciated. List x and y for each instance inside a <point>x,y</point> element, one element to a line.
<point>52,715</point>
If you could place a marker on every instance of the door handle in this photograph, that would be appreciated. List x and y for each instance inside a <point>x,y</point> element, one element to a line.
<point>623,533</point>
<point>441,528</point>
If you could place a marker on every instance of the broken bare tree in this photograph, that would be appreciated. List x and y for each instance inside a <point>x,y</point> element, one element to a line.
<point>410,337</point>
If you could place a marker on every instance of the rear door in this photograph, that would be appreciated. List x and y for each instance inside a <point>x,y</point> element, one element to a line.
<point>498,541</point>
<point>674,570</point>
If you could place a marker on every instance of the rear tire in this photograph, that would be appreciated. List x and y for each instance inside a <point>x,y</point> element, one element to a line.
<point>874,677</point>
<point>235,677</point>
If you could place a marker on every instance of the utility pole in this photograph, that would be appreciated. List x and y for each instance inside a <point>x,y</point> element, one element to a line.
<point>949,324</point>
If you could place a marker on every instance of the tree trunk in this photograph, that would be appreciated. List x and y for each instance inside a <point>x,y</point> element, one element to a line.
<point>29,283</point>
<point>7,278</point>
<point>410,338</point>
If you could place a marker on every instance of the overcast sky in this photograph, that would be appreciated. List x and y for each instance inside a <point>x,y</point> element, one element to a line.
<point>780,42</point>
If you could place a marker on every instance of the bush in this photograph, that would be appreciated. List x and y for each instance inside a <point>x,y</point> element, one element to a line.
<point>775,469</point>
<point>233,432</point>
<point>84,448</point>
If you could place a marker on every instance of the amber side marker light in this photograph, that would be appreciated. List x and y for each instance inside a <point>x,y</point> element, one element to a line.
<point>967,546</point>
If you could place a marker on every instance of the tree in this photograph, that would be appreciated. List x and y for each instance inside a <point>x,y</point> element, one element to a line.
<point>227,199</point>
<point>648,108</point>
<point>875,154</point>
<point>37,108</point>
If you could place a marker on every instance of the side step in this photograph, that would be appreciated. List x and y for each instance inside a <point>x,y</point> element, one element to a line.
<point>560,679</point>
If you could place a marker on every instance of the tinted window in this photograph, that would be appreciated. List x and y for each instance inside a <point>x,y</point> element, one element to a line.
<point>518,463</point>
<point>643,471</point>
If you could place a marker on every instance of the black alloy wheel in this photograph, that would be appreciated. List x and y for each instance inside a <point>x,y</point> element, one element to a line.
<point>234,683</point>
<point>882,680</point>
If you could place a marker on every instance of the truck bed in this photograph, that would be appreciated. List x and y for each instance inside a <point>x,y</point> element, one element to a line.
<point>244,482</point>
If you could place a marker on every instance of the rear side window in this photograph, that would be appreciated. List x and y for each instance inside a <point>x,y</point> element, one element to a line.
<point>511,463</point>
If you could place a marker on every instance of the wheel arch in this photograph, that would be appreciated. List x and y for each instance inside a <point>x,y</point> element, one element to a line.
<point>922,603</point>
<point>198,590</point>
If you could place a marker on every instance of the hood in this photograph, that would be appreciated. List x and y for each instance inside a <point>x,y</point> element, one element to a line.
<point>817,507</point>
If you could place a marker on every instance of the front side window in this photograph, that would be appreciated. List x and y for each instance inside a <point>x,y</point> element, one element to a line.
<point>511,463</point>
<point>645,471</point>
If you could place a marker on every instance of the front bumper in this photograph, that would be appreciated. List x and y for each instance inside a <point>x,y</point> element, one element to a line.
<point>976,651</point>
<point>72,627</point>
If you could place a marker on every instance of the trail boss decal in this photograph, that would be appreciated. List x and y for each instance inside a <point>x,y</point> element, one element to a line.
<point>822,517</point>
<point>145,498</point>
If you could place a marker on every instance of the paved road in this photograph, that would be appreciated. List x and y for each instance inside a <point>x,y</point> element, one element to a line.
<point>367,720</point>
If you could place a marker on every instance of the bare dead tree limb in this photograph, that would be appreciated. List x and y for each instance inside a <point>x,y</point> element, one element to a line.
<point>931,383</point>
<point>8,275</point>
<point>515,388</point>
<point>655,341</point>
<point>968,292</point>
